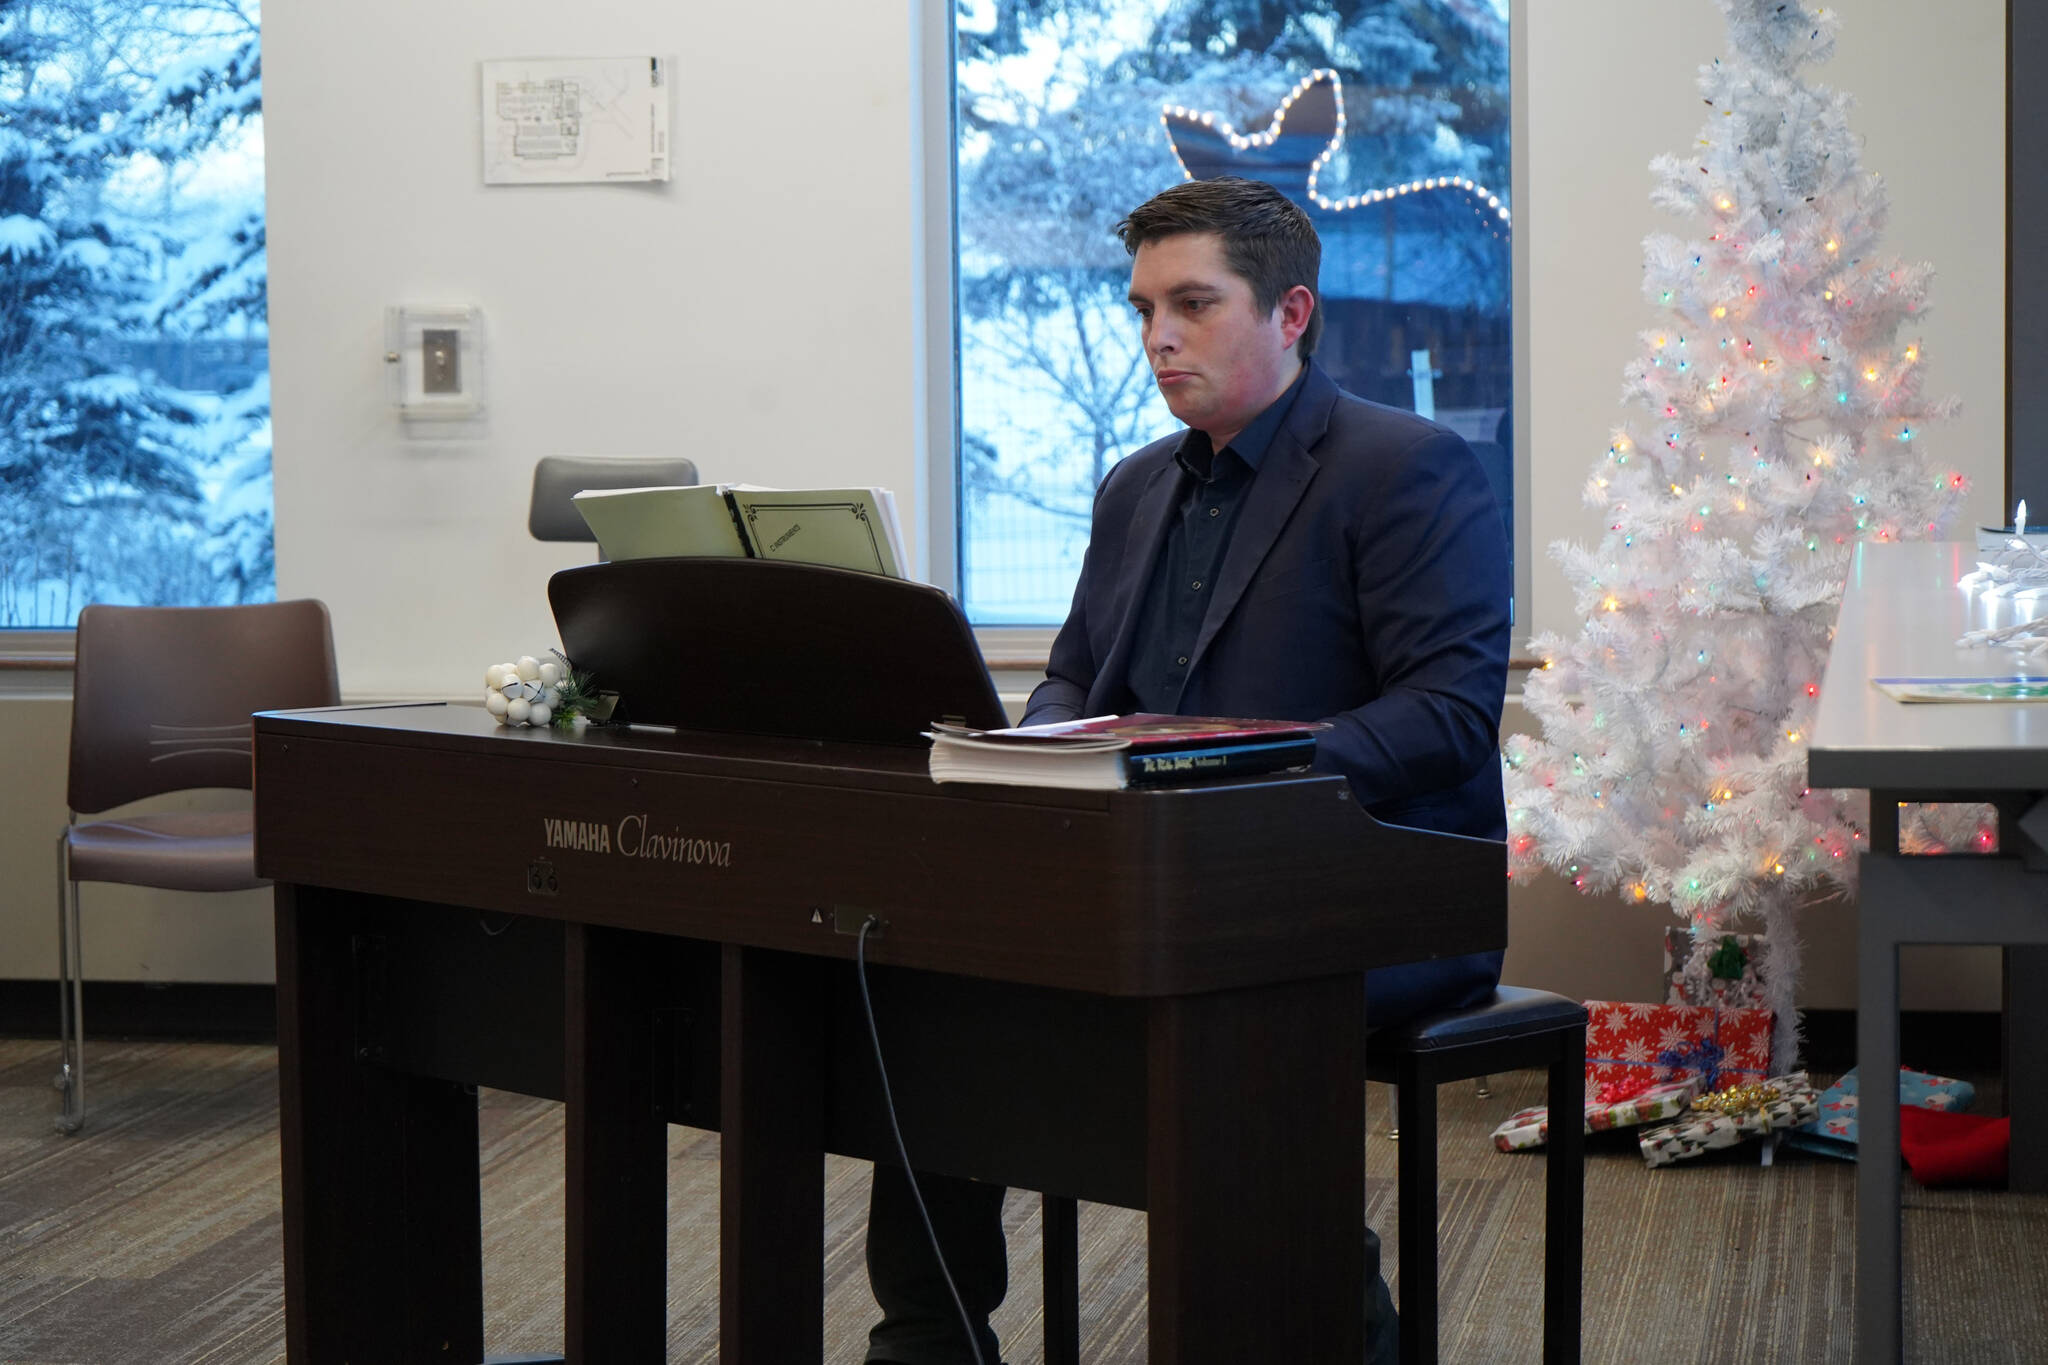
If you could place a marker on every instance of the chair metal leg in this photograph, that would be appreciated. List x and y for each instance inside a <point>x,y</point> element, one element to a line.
<point>1394,1107</point>
<point>1564,1204</point>
<point>62,1080</point>
<point>1062,1256</point>
<point>1484,1089</point>
<point>1416,1179</point>
<point>70,997</point>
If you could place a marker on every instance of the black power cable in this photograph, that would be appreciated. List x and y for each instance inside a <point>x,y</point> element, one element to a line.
<point>860,961</point>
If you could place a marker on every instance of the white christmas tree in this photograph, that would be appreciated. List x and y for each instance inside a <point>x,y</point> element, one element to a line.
<point>1779,422</point>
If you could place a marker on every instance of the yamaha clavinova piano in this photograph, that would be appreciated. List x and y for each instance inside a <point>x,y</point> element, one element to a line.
<point>1150,998</point>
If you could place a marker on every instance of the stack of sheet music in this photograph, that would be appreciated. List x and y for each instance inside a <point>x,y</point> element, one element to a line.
<point>844,528</point>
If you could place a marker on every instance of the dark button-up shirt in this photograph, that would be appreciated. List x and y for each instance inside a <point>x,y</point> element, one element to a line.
<point>1184,576</point>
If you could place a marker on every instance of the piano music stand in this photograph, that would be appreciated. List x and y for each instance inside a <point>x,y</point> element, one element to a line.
<point>765,647</point>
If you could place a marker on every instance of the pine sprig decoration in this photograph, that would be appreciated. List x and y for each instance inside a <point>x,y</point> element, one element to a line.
<point>577,692</point>
<point>1777,415</point>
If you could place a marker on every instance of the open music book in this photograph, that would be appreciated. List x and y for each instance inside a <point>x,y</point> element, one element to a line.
<point>1110,752</point>
<point>844,528</point>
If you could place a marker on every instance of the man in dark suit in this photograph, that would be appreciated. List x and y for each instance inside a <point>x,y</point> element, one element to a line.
<point>1297,553</point>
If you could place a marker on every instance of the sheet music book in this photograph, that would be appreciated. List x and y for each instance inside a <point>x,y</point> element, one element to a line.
<point>842,528</point>
<point>1112,752</point>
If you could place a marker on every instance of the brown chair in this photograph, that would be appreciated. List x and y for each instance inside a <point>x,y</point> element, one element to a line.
<point>161,702</point>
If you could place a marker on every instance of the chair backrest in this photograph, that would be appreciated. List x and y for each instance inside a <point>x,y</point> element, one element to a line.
<point>551,515</point>
<point>162,696</point>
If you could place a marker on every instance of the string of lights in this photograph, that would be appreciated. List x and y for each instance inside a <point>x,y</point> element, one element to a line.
<point>1322,77</point>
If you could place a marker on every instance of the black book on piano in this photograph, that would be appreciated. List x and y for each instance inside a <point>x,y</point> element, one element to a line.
<point>757,646</point>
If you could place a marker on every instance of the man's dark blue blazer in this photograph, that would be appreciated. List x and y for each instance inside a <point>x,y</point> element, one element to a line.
<point>1366,584</point>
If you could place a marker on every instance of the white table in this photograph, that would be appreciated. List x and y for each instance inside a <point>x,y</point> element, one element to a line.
<point>1901,615</point>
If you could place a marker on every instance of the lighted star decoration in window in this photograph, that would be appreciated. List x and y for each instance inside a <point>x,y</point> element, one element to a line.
<point>1290,154</point>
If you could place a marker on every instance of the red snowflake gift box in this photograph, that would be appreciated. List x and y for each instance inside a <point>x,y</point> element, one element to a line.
<point>1629,1043</point>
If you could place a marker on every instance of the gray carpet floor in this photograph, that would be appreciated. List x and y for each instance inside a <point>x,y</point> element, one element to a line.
<point>154,1237</point>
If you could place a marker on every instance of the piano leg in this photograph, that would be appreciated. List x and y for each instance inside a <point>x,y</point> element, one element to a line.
<point>383,1246</point>
<point>771,1295</point>
<point>1256,1179</point>
<point>616,1190</point>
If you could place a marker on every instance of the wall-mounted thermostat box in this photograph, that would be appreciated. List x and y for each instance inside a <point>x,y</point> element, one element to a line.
<point>436,357</point>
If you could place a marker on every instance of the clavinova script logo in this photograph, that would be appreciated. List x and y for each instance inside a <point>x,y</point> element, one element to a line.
<point>634,836</point>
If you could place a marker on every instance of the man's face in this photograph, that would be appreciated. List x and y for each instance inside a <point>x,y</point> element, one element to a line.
<point>1218,360</point>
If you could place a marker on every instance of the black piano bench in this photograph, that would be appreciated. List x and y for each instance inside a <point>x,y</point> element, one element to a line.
<point>1515,1028</point>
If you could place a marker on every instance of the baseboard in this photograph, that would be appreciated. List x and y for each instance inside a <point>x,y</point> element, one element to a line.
<point>188,1011</point>
<point>1945,1042</point>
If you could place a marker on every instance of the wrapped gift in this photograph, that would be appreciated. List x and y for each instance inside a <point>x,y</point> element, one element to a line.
<point>1833,1130</point>
<point>1634,1043</point>
<point>1529,1128</point>
<point>1722,1118</point>
<point>1729,976</point>
<point>1524,1129</point>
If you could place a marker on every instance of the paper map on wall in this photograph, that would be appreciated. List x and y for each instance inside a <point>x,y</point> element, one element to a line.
<point>559,120</point>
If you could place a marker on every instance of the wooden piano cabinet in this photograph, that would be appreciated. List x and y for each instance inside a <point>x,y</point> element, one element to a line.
<point>615,1197</point>
<point>1256,1188</point>
<point>383,1238</point>
<point>1150,999</point>
<point>771,1286</point>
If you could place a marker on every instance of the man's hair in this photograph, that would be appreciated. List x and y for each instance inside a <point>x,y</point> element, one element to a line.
<point>1268,240</point>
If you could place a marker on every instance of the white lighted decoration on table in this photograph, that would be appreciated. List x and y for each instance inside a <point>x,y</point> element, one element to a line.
<point>2017,569</point>
<point>567,120</point>
<point>436,358</point>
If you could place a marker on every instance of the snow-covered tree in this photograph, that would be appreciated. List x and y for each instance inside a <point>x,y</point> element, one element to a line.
<point>215,277</point>
<point>1059,106</point>
<point>114,453</point>
<point>1779,419</point>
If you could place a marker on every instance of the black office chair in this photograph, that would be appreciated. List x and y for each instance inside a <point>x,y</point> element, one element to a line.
<point>557,479</point>
<point>1515,1028</point>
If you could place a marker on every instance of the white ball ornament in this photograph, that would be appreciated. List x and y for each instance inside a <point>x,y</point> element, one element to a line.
<point>527,692</point>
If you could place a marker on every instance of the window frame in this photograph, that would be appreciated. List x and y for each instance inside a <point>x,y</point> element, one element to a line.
<point>935,176</point>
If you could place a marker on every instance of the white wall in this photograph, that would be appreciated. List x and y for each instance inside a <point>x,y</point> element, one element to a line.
<point>759,315</point>
<point>756,314</point>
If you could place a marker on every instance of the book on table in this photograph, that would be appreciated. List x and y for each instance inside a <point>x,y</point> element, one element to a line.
<point>1111,752</point>
<point>842,528</point>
